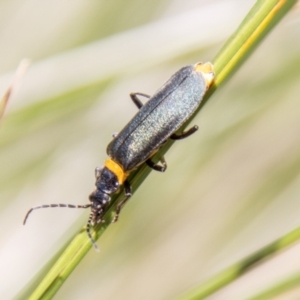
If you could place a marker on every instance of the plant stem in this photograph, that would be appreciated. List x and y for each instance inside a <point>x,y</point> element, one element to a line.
<point>238,269</point>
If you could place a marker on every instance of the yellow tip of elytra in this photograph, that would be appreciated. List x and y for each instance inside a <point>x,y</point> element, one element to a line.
<point>207,70</point>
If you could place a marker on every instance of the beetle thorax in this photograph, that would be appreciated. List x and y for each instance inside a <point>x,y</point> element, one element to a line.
<point>107,181</point>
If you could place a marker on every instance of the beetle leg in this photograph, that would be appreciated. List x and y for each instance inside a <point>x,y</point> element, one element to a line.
<point>128,194</point>
<point>184,134</point>
<point>136,100</point>
<point>157,167</point>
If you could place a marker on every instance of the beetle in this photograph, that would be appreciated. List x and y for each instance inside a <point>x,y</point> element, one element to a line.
<point>155,122</point>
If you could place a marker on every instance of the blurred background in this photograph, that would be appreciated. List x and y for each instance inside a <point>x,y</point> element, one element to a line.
<point>229,189</point>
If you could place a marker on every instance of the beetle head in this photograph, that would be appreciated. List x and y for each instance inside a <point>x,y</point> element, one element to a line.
<point>99,202</point>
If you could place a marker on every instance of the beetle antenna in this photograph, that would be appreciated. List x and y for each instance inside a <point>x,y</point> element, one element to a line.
<point>88,231</point>
<point>54,205</point>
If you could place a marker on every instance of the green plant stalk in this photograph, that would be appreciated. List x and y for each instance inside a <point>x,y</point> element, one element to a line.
<point>279,288</point>
<point>261,19</point>
<point>238,269</point>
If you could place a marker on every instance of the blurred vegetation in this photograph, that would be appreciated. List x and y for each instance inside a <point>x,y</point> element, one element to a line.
<point>229,190</point>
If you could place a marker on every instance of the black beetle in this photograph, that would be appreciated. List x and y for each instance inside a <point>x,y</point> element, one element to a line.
<point>156,121</point>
